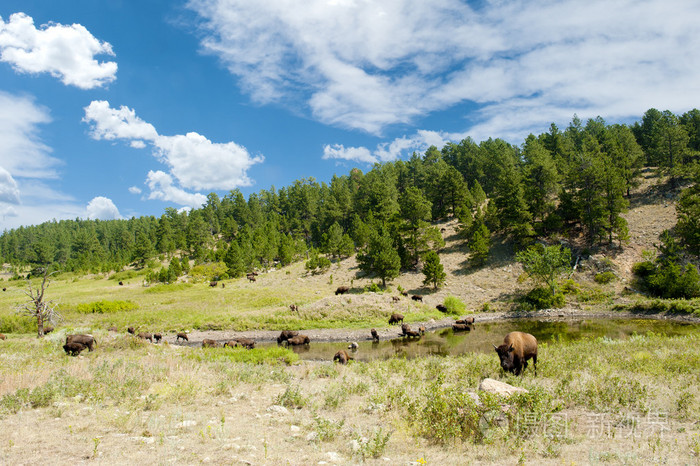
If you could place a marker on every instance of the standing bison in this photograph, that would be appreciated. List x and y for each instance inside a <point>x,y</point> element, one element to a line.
<point>342,357</point>
<point>298,340</point>
<point>415,297</point>
<point>342,290</point>
<point>182,335</point>
<point>73,348</point>
<point>145,336</point>
<point>2,336</point>
<point>395,318</point>
<point>375,335</point>
<point>86,340</point>
<point>207,343</point>
<point>286,335</point>
<point>515,351</point>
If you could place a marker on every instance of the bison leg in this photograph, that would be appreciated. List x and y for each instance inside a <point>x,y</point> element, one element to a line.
<point>534,363</point>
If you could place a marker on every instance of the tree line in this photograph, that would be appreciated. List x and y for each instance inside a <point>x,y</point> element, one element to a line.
<point>575,181</point>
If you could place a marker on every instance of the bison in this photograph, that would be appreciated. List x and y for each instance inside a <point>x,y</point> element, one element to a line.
<point>353,346</point>
<point>251,276</point>
<point>207,343</point>
<point>465,320</point>
<point>441,308</point>
<point>415,297</point>
<point>298,340</point>
<point>213,283</point>
<point>461,327</point>
<point>246,342</point>
<point>113,329</point>
<point>121,283</point>
<point>395,318</point>
<point>145,336</point>
<point>342,357</point>
<point>405,328</point>
<point>404,293</point>
<point>286,335</point>
<point>375,335</point>
<point>131,330</point>
<point>515,351</point>
<point>182,335</point>
<point>395,299</point>
<point>342,290</point>
<point>414,333</point>
<point>2,337</point>
<point>48,329</point>
<point>4,289</point>
<point>231,344</point>
<point>223,285</point>
<point>73,348</point>
<point>86,340</point>
<point>157,337</point>
<point>294,308</point>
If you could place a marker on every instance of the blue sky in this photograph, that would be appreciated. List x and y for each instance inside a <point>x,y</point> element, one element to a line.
<point>122,108</point>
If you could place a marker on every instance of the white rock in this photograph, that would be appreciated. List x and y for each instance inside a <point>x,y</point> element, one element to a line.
<point>294,428</point>
<point>354,445</point>
<point>312,437</point>
<point>187,424</point>
<point>278,409</point>
<point>334,457</point>
<point>499,388</point>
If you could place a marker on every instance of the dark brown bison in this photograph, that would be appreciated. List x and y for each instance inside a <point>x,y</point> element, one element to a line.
<point>441,308</point>
<point>395,318</point>
<point>395,299</point>
<point>73,348</point>
<point>2,337</point>
<point>375,335</point>
<point>86,340</point>
<point>4,289</point>
<point>145,336</point>
<point>213,283</point>
<point>342,357</point>
<point>121,283</point>
<point>405,328</point>
<point>461,327</point>
<point>251,276</point>
<point>415,297</point>
<point>157,337</point>
<point>223,285</point>
<point>207,343</point>
<point>286,335</point>
<point>413,333</point>
<point>231,344</point>
<point>246,342</point>
<point>515,351</point>
<point>342,290</point>
<point>182,335</point>
<point>131,330</point>
<point>298,340</point>
<point>465,320</point>
<point>293,308</point>
<point>48,329</point>
<point>404,293</point>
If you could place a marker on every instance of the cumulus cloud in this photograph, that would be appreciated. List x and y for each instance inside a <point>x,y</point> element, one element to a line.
<point>66,52</point>
<point>9,192</point>
<point>134,190</point>
<point>162,187</point>
<point>194,162</point>
<point>102,208</point>
<point>368,64</point>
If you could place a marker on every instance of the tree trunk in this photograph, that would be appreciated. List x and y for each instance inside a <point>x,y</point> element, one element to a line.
<point>39,324</point>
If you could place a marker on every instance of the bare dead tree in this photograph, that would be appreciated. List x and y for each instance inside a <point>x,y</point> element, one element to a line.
<point>37,307</point>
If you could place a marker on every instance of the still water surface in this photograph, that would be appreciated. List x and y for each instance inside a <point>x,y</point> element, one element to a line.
<point>446,342</point>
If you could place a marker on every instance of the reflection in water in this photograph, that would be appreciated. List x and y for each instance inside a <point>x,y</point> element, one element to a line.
<point>445,342</point>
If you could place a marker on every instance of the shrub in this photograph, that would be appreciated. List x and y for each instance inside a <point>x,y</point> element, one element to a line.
<point>291,398</point>
<point>17,324</point>
<point>105,307</point>
<point>604,277</point>
<point>373,288</point>
<point>542,298</point>
<point>454,305</point>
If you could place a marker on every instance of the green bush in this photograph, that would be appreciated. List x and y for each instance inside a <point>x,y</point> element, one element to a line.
<point>373,288</point>
<point>643,269</point>
<point>455,305</point>
<point>105,307</point>
<point>604,277</point>
<point>542,298</point>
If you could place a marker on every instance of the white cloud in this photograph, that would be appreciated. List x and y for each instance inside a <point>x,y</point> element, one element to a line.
<point>194,161</point>
<point>66,52</point>
<point>134,190</point>
<point>102,208</point>
<point>162,188</point>
<point>9,192</point>
<point>367,64</point>
<point>385,152</point>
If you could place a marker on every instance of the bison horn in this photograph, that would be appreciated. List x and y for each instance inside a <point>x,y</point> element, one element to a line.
<point>494,346</point>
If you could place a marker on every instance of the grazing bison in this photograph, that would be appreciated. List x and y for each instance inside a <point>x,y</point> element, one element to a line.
<point>342,357</point>
<point>121,283</point>
<point>441,308</point>
<point>131,330</point>
<point>182,335</point>
<point>73,348</point>
<point>353,346</point>
<point>251,276</point>
<point>86,340</point>
<point>48,329</point>
<point>515,351</point>
<point>298,340</point>
<point>395,318</point>
<point>2,337</point>
<point>375,335</point>
<point>157,337</point>
<point>466,320</point>
<point>231,344</point>
<point>223,285</point>
<point>246,342</point>
<point>404,293</point>
<point>207,343</point>
<point>213,283</point>
<point>461,327</point>
<point>395,299</point>
<point>342,290</point>
<point>145,336</point>
<point>4,289</point>
<point>405,328</point>
<point>415,297</point>
<point>293,308</point>
<point>413,333</point>
<point>286,335</point>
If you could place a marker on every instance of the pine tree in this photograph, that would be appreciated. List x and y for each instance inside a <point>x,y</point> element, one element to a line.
<point>433,270</point>
<point>381,259</point>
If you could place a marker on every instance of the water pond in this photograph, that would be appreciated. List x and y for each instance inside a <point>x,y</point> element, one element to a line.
<point>483,335</point>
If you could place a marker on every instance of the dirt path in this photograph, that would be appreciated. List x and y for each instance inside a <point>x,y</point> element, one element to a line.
<point>342,334</point>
